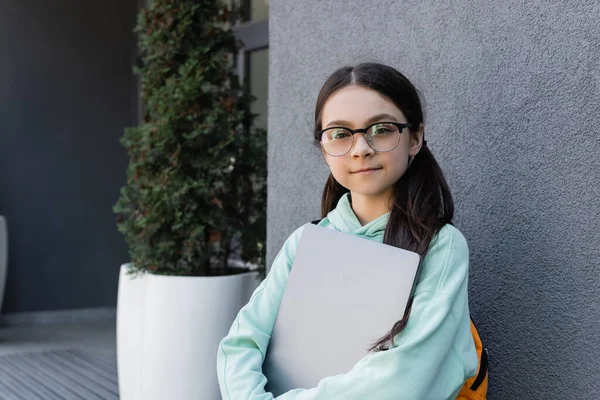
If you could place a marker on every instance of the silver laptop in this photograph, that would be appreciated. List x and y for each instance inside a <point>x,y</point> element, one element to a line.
<point>344,292</point>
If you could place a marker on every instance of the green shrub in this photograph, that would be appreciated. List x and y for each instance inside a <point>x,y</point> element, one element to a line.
<point>196,180</point>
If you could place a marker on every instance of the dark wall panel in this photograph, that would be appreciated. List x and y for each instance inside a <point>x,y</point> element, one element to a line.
<point>66,93</point>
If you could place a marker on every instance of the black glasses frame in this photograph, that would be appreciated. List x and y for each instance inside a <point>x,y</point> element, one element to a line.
<point>398,125</point>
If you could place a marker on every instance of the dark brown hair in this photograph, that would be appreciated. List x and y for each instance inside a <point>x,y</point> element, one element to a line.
<point>422,203</point>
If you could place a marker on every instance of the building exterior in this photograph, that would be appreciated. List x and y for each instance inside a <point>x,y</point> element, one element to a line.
<point>68,92</point>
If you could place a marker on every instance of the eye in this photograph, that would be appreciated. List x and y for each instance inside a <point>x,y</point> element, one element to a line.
<point>338,134</point>
<point>382,129</point>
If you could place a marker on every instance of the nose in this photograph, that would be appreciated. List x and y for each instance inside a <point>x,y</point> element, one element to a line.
<point>360,147</point>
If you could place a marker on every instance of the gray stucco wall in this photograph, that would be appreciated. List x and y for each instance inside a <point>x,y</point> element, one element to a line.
<point>66,93</point>
<point>513,98</point>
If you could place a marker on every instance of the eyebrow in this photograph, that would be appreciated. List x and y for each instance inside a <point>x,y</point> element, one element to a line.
<point>374,118</point>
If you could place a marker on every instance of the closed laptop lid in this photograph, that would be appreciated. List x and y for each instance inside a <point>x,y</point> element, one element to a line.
<point>344,292</point>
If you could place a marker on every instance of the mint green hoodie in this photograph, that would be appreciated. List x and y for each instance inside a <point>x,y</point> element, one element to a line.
<point>431,358</point>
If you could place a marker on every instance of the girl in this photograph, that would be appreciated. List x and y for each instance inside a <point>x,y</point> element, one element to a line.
<point>385,185</point>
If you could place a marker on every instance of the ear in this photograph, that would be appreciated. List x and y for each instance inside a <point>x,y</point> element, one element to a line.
<point>416,141</point>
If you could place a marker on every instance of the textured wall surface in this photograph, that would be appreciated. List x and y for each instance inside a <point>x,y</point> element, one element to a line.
<point>513,116</point>
<point>66,93</point>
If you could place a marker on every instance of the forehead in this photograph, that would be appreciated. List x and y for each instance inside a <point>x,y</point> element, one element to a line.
<point>355,105</point>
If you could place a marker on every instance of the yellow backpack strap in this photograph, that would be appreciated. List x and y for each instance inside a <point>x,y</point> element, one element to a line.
<point>475,388</point>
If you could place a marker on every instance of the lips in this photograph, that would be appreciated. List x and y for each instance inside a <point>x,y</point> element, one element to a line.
<point>365,170</point>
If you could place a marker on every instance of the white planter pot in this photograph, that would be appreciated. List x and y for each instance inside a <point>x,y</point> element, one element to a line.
<point>168,331</point>
<point>130,327</point>
<point>3,257</point>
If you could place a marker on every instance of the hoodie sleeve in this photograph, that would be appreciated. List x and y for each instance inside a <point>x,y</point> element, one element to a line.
<point>241,353</point>
<point>434,355</point>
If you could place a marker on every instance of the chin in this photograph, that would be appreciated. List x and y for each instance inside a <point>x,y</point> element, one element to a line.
<point>367,192</point>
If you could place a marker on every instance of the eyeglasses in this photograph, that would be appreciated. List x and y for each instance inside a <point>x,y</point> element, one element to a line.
<point>381,136</point>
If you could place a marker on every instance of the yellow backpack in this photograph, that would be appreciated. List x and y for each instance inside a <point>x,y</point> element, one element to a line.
<point>475,388</point>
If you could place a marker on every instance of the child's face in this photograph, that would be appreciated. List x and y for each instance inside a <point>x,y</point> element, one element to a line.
<point>353,107</point>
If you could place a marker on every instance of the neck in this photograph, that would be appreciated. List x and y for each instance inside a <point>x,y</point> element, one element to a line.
<point>369,208</point>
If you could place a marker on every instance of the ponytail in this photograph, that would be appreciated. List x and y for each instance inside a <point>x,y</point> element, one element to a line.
<point>422,206</point>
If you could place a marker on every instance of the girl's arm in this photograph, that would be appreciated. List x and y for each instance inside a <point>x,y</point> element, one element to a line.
<point>241,353</point>
<point>433,355</point>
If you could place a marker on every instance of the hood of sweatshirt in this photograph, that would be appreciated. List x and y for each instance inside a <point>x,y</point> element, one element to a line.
<point>344,220</point>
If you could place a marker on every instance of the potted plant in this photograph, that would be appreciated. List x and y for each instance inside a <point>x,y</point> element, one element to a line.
<point>195,196</point>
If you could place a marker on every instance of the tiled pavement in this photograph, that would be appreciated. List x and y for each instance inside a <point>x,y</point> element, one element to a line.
<point>60,361</point>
